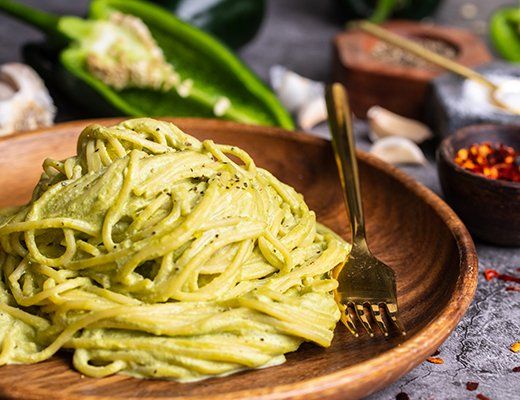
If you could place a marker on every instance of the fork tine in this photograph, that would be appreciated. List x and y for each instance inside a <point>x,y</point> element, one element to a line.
<point>376,314</point>
<point>360,310</point>
<point>391,309</point>
<point>348,321</point>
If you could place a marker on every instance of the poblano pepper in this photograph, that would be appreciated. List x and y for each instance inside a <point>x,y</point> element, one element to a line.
<point>142,60</point>
<point>505,32</point>
<point>380,10</point>
<point>235,22</point>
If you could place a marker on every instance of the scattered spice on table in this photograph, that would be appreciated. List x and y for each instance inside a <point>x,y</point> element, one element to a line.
<point>402,396</point>
<point>515,347</point>
<point>436,353</point>
<point>391,54</point>
<point>490,274</point>
<point>435,360</point>
<point>480,396</point>
<point>513,288</point>
<point>492,160</point>
<point>516,369</point>
<point>471,386</point>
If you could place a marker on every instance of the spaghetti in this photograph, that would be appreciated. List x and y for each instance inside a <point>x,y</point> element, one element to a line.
<point>153,254</point>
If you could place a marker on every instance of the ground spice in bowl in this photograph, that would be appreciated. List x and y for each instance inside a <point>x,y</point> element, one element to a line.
<point>390,54</point>
<point>492,160</point>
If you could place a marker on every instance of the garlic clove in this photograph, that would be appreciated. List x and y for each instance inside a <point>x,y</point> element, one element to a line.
<point>293,90</point>
<point>384,123</point>
<point>312,113</point>
<point>25,103</point>
<point>398,150</point>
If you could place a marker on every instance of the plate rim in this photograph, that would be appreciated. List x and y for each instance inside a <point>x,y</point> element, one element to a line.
<point>412,351</point>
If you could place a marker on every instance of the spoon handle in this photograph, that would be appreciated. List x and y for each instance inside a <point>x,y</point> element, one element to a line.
<point>340,122</point>
<point>421,51</point>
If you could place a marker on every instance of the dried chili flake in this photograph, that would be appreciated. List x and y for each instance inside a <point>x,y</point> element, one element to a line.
<point>436,353</point>
<point>516,369</point>
<point>402,396</point>
<point>515,347</point>
<point>490,274</point>
<point>471,386</point>
<point>480,396</point>
<point>513,288</point>
<point>435,360</point>
<point>492,160</point>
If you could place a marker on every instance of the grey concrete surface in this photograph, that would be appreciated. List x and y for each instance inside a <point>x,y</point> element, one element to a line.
<point>297,34</point>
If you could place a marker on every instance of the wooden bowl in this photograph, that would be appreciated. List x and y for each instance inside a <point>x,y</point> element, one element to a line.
<point>490,208</point>
<point>400,89</point>
<point>408,227</point>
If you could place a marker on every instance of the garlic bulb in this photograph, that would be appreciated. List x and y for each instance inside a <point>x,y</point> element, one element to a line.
<point>25,103</point>
<point>384,123</point>
<point>398,150</point>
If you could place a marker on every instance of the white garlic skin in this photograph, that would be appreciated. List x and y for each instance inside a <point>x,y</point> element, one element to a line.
<point>398,150</point>
<point>385,123</point>
<point>25,103</point>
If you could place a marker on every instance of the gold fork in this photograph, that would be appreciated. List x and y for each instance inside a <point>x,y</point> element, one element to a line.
<point>367,288</point>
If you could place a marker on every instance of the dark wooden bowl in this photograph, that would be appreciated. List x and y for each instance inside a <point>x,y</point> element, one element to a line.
<point>490,208</point>
<point>408,227</point>
<point>400,89</point>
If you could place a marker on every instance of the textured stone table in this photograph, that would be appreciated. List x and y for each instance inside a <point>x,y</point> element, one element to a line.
<point>297,34</point>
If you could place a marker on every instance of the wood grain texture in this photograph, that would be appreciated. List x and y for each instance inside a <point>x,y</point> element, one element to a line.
<point>408,227</point>
<point>490,208</point>
<point>400,89</point>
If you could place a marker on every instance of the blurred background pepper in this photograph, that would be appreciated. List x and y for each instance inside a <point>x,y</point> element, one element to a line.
<point>235,22</point>
<point>381,10</point>
<point>505,32</point>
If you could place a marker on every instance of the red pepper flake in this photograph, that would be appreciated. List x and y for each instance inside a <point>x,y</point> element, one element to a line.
<point>402,396</point>
<point>435,360</point>
<point>492,160</point>
<point>480,396</point>
<point>436,353</point>
<point>490,274</point>
<point>516,369</point>
<point>471,386</point>
<point>513,288</point>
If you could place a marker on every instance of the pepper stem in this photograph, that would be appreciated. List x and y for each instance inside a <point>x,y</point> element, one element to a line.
<point>46,22</point>
<point>382,11</point>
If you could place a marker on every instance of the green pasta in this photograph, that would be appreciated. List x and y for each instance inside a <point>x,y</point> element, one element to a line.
<point>153,254</point>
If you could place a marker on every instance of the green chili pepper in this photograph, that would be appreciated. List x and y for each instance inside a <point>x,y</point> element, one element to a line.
<point>381,10</point>
<point>213,72</point>
<point>505,32</point>
<point>235,22</point>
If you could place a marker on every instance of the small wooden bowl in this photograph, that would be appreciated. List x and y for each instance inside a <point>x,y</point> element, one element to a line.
<point>400,89</point>
<point>490,208</point>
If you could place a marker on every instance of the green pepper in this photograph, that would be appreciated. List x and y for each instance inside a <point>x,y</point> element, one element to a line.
<point>380,10</point>
<point>213,71</point>
<point>505,32</point>
<point>235,22</point>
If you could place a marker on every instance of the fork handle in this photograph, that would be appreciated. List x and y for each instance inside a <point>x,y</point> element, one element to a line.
<point>340,123</point>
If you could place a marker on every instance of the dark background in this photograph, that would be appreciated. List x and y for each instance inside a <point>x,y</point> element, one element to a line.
<point>297,34</point>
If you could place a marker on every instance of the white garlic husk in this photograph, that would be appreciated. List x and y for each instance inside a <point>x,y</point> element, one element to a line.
<point>312,113</point>
<point>25,103</point>
<point>301,96</point>
<point>398,150</point>
<point>385,123</point>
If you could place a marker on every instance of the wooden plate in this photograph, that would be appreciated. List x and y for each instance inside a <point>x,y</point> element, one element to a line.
<point>409,228</point>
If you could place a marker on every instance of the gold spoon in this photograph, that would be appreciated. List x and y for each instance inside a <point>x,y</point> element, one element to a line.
<point>443,62</point>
